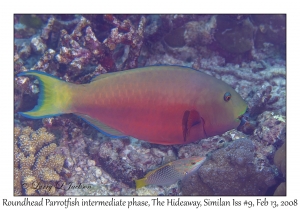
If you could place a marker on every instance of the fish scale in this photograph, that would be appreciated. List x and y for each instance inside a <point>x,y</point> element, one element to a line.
<point>159,104</point>
<point>171,172</point>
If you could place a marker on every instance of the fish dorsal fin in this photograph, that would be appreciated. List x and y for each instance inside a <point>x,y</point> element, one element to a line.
<point>190,118</point>
<point>102,76</point>
<point>168,165</point>
<point>101,126</point>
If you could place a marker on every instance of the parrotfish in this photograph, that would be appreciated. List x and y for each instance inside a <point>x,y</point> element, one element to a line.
<point>159,104</point>
<point>171,172</point>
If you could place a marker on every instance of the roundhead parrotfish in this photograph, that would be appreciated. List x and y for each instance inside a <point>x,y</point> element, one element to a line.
<point>159,104</point>
<point>171,172</point>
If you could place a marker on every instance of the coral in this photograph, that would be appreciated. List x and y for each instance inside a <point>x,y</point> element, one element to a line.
<point>272,129</point>
<point>84,167</point>
<point>18,62</point>
<point>72,53</point>
<point>23,48</point>
<point>38,43</point>
<point>231,171</point>
<point>78,57</point>
<point>205,146</point>
<point>78,51</point>
<point>127,161</point>
<point>262,100</point>
<point>35,163</point>
<point>46,63</point>
<point>133,37</point>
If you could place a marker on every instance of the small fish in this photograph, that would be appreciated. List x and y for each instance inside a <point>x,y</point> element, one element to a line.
<point>159,104</point>
<point>171,172</point>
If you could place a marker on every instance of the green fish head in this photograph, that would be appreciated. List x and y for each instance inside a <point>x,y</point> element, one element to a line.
<point>223,109</point>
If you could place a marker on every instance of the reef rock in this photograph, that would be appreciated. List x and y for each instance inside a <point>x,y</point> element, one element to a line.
<point>234,35</point>
<point>231,171</point>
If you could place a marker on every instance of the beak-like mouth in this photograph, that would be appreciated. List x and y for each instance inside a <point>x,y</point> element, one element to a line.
<point>244,118</point>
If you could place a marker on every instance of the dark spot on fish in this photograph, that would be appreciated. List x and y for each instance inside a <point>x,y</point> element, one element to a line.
<point>227,96</point>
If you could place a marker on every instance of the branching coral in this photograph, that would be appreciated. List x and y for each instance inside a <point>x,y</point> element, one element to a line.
<point>18,62</point>
<point>78,50</point>
<point>46,62</point>
<point>133,37</point>
<point>36,166</point>
<point>72,53</point>
<point>261,100</point>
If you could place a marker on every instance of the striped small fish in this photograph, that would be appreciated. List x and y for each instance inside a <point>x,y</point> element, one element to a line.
<point>171,172</point>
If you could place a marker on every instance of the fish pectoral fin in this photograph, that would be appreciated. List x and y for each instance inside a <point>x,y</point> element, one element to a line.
<point>101,126</point>
<point>192,123</point>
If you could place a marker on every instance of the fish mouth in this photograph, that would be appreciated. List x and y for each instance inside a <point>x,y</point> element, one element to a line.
<point>243,118</point>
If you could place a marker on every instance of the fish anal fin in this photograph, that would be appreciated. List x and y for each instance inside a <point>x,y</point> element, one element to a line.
<point>101,126</point>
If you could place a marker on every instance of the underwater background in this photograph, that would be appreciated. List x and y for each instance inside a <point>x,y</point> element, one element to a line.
<point>64,155</point>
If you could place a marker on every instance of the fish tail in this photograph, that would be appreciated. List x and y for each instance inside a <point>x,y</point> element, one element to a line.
<point>140,183</point>
<point>55,96</point>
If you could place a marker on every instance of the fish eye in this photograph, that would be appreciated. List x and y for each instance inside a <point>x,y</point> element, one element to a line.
<point>227,96</point>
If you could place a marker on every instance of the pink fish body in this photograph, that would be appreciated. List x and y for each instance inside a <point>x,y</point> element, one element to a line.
<point>160,104</point>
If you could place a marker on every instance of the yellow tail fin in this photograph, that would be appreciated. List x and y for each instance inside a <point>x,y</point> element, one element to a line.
<point>140,183</point>
<point>55,96</point>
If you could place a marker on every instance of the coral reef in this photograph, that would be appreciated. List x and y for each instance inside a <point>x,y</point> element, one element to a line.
<point>127,160</point>
<point>245,51</point>
<point>272,129</point>
<point>272,29</point>
<point>36,166</point>
<point>234,34</point>
<point>231,171</point>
